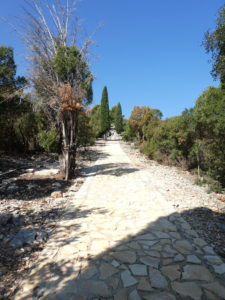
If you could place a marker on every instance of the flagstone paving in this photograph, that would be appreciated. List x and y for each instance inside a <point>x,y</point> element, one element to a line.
<point>120,239</point>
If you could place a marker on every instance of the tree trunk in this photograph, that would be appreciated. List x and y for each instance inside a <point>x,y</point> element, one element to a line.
<point>69,141</point>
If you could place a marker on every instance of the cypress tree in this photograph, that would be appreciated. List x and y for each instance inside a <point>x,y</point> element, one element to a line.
<point>105,120</point>
<point>119,119</point>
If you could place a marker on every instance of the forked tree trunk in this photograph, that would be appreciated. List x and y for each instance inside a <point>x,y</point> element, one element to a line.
<point>69,140</point>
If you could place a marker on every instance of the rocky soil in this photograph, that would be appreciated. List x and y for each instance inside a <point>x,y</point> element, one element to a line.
<point>122,239</point>
<point>205,212</point>
<point>33,196</point>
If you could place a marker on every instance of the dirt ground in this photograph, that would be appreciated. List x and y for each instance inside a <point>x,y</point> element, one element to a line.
<point>26,186</point>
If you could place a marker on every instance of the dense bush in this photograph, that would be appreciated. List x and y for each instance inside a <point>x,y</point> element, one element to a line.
<point>195,140</point>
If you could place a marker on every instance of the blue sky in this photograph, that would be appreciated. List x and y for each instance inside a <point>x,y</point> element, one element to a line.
<point>149,51</point>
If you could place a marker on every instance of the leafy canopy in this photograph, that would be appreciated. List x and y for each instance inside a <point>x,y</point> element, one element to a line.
<point>214,43</point>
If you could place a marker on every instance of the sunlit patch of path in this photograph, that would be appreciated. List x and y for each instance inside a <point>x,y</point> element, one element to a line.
<point>121,239</point>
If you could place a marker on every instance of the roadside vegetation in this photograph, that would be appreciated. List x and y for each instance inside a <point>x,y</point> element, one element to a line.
<point>196,139</point>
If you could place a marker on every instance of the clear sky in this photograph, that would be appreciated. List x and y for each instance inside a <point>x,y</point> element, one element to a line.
<point>149,51</point>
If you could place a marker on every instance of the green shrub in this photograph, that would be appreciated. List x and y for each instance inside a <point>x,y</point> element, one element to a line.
<point>148,148</point>
<point>48,140</point>
<point>201,181</point>
<point>215,187</point>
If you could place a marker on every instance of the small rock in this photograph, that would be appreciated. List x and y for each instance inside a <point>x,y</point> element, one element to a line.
<point>150,261</point>
<point>157,247</point>
<point>28,236</point>
<point>147,236</point>
<point>161,235</point>
<point>197,273</point>
<point>157,279</point>
<point>12,188</point>
<point>200,242</point>
<point>41,235</point>
<point>128,279</point>
<point>147,243</point>
<point>121,295</point>
<point>134,245</point>
<point>56,184</point>
<point>31,186</point>
<point>209,250</point>
<point>134,295</point>
<point>125,256</point>
<point>185,226</point>
<point>114,282</point>
<point>167,261</point>
<point>138,269</point>
<point>167,254</point>
<point>178,258</point>
<point>193,259</point>
<point>144,285</point>
<point>169,249</point>
<point>183,246</point>
<point>187,289</point>
<point>213,259</point>
<point>115,263</point>
<point>56,194</point>
<point>96,287</point>
<point>153,253</point>
<point>173,272</point>
<point>107,270</point>
<point>219,269</point>
<point>89,272</point>
<point>60,200</point>
<point>5,218</point>
<point>175,235</point>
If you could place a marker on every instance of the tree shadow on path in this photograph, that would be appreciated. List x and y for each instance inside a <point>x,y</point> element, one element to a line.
<point>16,248</point>
<point>113,169</point>
<point>166,260</point>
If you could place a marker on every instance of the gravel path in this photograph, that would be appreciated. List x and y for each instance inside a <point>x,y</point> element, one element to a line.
<point>122,237</point>
<point>205,212</point>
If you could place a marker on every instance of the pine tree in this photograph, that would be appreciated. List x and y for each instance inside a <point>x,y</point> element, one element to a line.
<point>105,120</point>
<point>119,119</point>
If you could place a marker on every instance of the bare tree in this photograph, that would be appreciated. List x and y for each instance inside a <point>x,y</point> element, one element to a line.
<point>60,72</point>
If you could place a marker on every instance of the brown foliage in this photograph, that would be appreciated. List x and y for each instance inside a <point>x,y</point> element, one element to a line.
<point>71,99</point>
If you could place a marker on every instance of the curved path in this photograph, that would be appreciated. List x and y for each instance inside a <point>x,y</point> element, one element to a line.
<point>120,239</point>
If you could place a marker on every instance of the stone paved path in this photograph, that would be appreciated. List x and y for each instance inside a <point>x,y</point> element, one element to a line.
<point>120,239</point>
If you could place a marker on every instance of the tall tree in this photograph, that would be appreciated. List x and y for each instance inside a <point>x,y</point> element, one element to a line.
<point>105,120</point>
<point>119,118</point>
<point>13,107</point>
<point>214,42</point>
<point>10,85</point>
<point>61,75</point>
